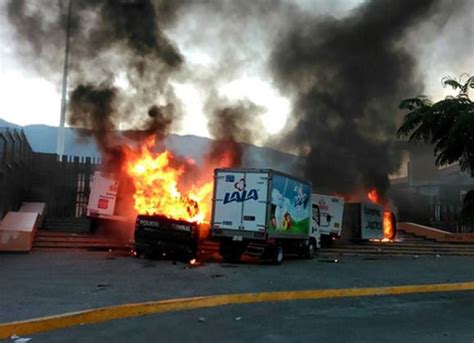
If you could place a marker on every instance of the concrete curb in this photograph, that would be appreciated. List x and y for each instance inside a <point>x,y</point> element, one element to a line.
<point>104,314</point>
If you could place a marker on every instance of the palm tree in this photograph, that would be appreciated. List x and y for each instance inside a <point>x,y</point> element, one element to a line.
<point>447,124</point>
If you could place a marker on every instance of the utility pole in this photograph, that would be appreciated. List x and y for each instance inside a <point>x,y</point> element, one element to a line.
<point>62,119</point>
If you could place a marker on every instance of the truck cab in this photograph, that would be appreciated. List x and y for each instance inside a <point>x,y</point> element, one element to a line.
<point>328,213</point>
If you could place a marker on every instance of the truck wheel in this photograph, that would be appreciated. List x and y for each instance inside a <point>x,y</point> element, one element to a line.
<point>278,254</point>
<point>310,249</point>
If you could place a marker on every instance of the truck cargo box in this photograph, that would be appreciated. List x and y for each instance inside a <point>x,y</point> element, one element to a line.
<point>362,221</point>
<point>260,203</point>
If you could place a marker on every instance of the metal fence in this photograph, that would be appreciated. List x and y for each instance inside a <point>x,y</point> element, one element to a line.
<point>16,159</point>
<point>63,184</point>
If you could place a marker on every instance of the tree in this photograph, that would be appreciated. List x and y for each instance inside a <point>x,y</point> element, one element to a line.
<point>447,124</point>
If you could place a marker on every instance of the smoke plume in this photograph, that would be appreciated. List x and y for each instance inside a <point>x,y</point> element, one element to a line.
<point>348,76</point>
<point>345,74</point>
<point>120,61</point>
<point>230,125</point>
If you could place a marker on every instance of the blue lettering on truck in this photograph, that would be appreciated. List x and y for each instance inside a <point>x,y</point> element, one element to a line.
<point>240,196</point>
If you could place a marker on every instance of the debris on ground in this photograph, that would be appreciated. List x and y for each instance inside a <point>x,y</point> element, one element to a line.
<point>330,260</point>
<point>18,339</point>
<point>102,286</point>
<point>238,318</point>
<point>194,263</point>
<point>216,275</point>
<point>201,319</point>
<point>229,266</point>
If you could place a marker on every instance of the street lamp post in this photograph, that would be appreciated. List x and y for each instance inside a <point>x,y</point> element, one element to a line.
<point>62,119</point>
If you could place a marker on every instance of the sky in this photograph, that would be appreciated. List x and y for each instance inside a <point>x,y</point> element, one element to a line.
<point>29,98</point>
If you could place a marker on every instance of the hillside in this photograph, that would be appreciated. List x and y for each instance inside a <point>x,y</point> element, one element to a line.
<point>43,138</point>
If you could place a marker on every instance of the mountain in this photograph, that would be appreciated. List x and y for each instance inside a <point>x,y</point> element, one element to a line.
<point>43,138</point>
<point>4,123</point>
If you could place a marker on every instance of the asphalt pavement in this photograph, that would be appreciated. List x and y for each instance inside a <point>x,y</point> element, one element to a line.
<point>47,283</point>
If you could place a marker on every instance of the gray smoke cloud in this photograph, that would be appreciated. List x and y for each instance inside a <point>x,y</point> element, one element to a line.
<point>348,76</point>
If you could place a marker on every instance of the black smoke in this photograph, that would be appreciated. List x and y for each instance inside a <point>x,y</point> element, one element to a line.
<point>111,41</point>
<point>230,125</point>
<point>348,76</point>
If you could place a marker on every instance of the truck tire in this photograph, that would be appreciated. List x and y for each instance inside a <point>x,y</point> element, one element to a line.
<point>278,254</point>
<point>310,249</point>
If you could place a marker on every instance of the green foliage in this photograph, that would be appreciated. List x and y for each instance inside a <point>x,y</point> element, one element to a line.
<point>447,124</point>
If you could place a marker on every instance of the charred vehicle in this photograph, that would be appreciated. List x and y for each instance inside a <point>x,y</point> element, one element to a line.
<point>157,236</point>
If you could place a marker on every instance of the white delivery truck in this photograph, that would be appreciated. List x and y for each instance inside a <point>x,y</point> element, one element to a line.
<point>328,212</point>
<point>264,213</point>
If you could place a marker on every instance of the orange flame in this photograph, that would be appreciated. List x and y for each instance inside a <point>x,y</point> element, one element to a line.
<point>373,196</point>
<point>160,189</point>
<point>388,227</point>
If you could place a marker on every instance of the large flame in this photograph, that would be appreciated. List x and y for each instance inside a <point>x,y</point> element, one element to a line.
<point>160,188</point>
<point>388,228</point>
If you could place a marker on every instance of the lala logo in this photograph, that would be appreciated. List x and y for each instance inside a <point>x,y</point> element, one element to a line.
<point>241,194</point>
